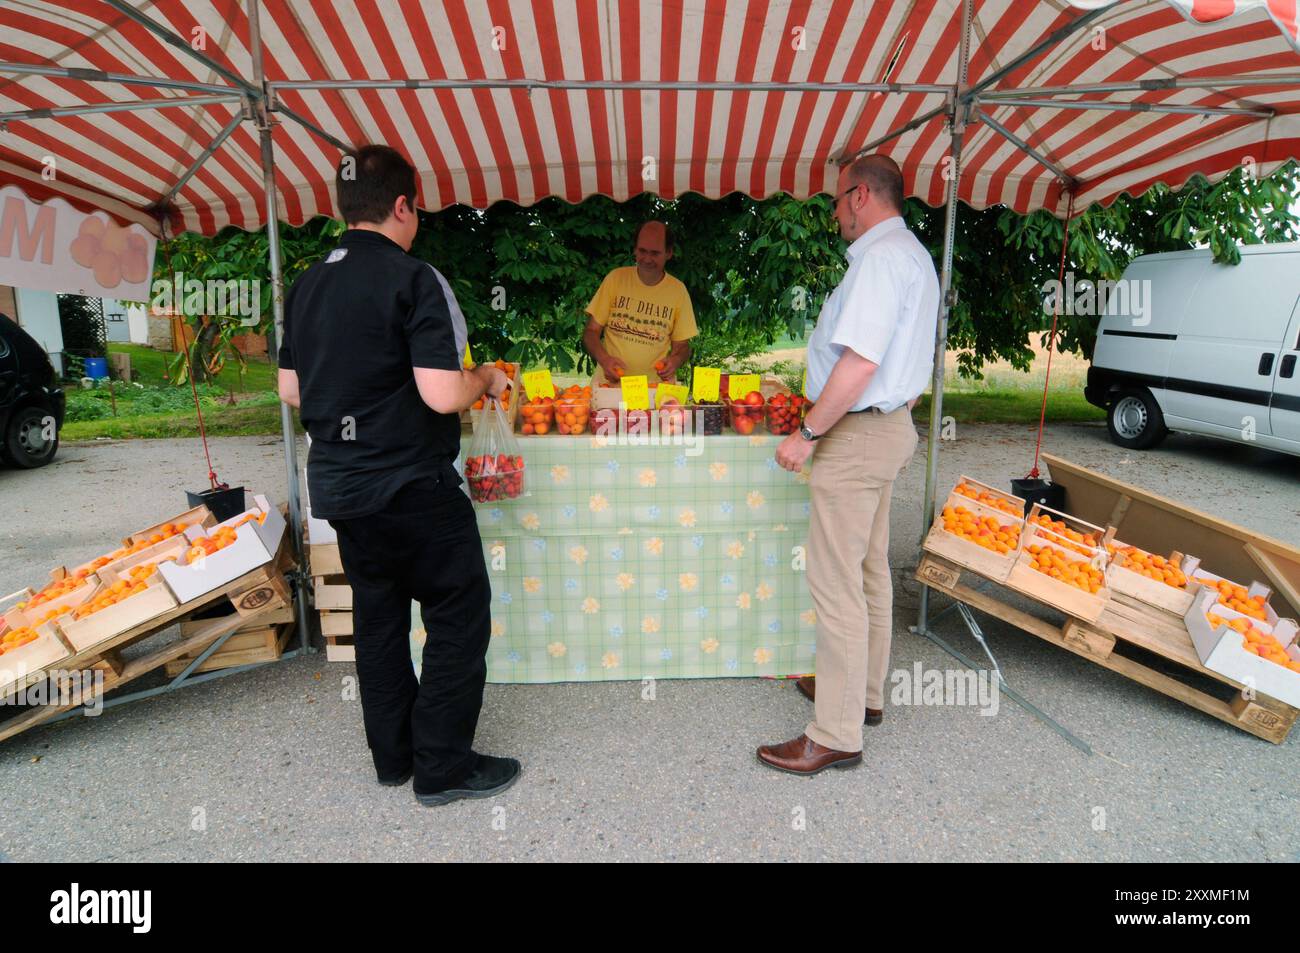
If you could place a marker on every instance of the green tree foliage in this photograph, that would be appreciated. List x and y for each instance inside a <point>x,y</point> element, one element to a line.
<point>757,269</point>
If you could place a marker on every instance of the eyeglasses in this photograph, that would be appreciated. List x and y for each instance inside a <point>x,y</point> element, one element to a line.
<point>852,188</point>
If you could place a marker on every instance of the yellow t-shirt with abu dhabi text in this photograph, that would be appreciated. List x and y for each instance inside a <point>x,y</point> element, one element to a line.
<point>642,321</point>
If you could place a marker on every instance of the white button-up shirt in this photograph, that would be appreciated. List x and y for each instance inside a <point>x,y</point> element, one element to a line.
<point>886,309</point>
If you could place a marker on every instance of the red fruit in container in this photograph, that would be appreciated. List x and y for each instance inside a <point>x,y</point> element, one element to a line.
<point>604,422</point>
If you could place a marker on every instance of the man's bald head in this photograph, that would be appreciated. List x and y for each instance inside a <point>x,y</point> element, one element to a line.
<point>881,175</point>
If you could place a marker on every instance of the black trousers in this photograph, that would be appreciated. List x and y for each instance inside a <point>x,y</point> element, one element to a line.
<point>424,546</point>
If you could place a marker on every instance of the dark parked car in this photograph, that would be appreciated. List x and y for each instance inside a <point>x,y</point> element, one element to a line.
<point>31,401</point>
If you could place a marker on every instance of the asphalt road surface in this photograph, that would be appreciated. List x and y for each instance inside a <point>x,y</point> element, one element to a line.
<point>272,765</point>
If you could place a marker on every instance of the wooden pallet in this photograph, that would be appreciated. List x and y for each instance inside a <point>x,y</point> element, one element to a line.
<point>257,594</point>
<point>245,646</point>
<point>1124,622</point>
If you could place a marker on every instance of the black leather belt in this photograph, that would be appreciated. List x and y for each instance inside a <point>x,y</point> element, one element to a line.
<point>868,410</point>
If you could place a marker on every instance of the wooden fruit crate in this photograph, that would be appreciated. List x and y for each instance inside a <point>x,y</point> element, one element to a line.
<point>336,627</point>
<point>136,610</point>
<point>246,646</point>
<point>1124,625</point>
<point>325,559</point>
<point>340,649</point>
<point>986,562</point>
<point>260,592</point>
<point>1153,592</point>
<point>333,592</point>
<point>48,649</point>
<point>1039,585</point>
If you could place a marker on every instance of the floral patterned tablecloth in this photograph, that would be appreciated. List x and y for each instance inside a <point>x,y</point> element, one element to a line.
<point>648,560</point>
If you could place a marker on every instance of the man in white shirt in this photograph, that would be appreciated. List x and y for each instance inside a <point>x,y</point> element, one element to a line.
<point>869,359</point>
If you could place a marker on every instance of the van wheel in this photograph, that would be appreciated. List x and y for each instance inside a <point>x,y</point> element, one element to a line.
<point>26,445</point>
<point>1135,421</point>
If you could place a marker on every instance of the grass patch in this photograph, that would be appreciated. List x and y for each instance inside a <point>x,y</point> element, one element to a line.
<point>243,420</point>
<point>148,366</point>
<point>1011,406</point>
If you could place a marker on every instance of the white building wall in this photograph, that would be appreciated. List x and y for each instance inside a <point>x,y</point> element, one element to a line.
<point>38,315</point>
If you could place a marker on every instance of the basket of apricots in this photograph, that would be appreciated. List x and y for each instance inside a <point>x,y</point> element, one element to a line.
<point>220,538</point>
<point>507,398</point>
<point>121,602</point>
<point>1262,656</point>
<point>509,370</point>
<point>537,416</point>
<point>1250,602</point>
<point>1149,577</point>
<point>1063,563</point>
<point>978,527</point>
<point>28,648</point>
<point>573,410</point>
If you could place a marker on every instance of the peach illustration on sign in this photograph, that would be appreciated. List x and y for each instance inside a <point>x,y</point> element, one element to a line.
<point>115,254</point>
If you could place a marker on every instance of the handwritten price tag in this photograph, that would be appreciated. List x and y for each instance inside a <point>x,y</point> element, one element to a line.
<point>677,391</point>
<point>636,392</point>
<point>705,381</point>
<point>539,384</point>
<point>738,385</point>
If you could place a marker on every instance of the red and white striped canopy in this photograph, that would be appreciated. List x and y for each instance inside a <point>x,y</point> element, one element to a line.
<point>479,145</point>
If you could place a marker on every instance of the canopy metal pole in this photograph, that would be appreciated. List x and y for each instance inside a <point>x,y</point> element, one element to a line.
<point>171,39</point>
<point>55,112</point>
<point>611,84</point>
<point>1145,85</point>
<point>301,589</point>
<point>1026,148</point>
<point>1261,112</point>
<point>125,79</point>
<point>946,296</point>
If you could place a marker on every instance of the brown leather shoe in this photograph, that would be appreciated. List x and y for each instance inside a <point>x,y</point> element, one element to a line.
<point>808,686</point>
<point>805,756</point>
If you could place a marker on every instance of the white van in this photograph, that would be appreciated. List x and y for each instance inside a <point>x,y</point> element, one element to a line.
<point>1188,345</point>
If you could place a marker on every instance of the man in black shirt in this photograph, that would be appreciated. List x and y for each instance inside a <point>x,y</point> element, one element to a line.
<point>371,356</point>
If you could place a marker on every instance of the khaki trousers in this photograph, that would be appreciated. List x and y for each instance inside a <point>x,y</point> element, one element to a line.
<point>853,472</point>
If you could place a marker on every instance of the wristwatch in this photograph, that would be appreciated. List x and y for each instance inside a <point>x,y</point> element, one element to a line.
<point>807,433</point>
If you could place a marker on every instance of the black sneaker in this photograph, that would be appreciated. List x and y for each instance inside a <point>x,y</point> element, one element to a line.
<point>396,782</point>
<point>490,777</point>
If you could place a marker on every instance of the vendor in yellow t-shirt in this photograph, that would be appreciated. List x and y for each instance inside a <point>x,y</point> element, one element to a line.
<point>641,317</point>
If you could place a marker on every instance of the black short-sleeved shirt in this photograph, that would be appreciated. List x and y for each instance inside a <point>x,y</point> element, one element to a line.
<point>355,324</point>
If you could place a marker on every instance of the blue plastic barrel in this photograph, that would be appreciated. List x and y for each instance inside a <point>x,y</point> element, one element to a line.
<point>97,368</point>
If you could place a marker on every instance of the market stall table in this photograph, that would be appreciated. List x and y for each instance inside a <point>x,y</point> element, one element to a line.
<point>648,560</point>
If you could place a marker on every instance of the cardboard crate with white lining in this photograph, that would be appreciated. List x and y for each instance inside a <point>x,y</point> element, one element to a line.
<point>256,543</point>
<point>1222,649</point>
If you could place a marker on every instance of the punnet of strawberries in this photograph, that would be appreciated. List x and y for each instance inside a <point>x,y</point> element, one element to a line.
<point>491,478</point>
<point>785,413</point>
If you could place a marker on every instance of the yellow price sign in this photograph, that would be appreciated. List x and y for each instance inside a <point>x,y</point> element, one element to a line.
<point>469,361</point>
<point>705,382</point>
<point>677,391</point>
<point>804,388</point>
<point>636,392</point>
<point>539,383</point>
<point>738,385</point>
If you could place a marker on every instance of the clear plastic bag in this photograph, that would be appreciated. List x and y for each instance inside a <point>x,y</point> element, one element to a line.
<point>494,468</point>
